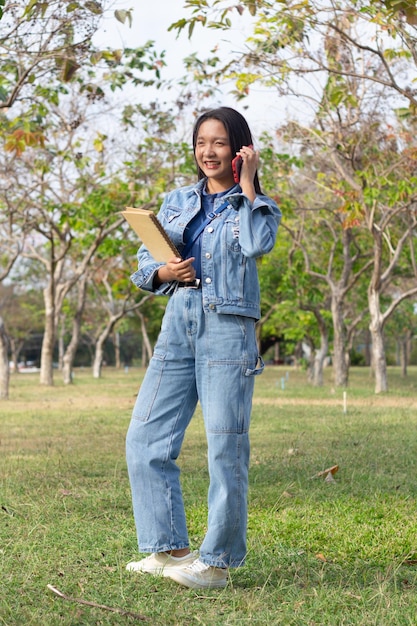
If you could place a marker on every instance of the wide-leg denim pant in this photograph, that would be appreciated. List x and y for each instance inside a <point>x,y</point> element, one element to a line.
<point>212,358</point>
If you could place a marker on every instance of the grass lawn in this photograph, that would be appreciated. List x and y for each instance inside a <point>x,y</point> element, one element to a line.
<point>340,552</point>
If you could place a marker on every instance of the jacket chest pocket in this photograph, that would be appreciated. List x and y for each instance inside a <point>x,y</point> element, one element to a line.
<point>172,214</point>
<point>231,233</point>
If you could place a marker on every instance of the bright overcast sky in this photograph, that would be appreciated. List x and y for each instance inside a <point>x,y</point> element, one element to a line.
<point>151,19</point>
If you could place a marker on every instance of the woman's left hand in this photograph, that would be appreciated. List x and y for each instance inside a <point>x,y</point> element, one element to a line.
<point>250,161</point>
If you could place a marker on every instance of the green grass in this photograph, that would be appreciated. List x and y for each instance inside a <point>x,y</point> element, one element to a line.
<point>320,553</point>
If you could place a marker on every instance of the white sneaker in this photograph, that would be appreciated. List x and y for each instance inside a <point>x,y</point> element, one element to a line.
<point>158,562</point>
<point>198,575</point>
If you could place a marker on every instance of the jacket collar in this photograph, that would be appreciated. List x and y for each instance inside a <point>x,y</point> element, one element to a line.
<point>233,197</point>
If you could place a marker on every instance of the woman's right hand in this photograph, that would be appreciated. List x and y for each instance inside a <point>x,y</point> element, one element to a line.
<point>177,269</point>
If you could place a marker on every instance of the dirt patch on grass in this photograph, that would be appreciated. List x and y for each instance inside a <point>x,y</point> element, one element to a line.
<point>377,402</point>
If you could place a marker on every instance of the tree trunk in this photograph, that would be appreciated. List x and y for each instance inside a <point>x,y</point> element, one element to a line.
<point>116,344</point>
<point>4,362</point>
<point>340,360</point>
<point>376,327</point>
<point>146,344</point>
<point>108,329</point>
<point>403,356</point>
<point>69,356</point>
<point>48,342</point>
<point>319,358</point>
<point>298,353</point>
<point>318,355</point>
<point>61,342</point>
<point>99,348</point>
<point>143,356</point>
<point>409,345</point>
<point>15,349</point>
<point>276,353</point>
<point>98,354</point>
<point>404,345</point>
<point>367,350</point>
<point>308,355</point>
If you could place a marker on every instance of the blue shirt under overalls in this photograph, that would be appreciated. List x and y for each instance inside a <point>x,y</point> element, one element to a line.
<point>207,202</point>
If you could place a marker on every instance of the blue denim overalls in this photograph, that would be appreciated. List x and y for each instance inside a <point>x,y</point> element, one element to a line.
<point>206,352</point>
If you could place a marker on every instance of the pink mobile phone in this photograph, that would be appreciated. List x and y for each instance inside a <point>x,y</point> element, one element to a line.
<point>237,166</point>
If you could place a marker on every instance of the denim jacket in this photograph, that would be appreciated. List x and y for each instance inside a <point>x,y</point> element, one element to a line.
<point>230,245</point>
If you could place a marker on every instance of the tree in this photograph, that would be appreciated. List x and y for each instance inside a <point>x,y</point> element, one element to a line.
<point>324,261</point>
<point>51,40</point>
<point>403,325</point>
<point>116,296</point>
<point>65,256</point>
<point>352,64</point>
<point>11,242</point>
<point>23,315</point>
<point>77,316</point>
<point>306,41</point>
<point>45,50</point>
<point>63,185</point>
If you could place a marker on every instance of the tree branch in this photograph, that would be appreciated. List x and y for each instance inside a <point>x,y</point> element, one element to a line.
<point>95,605</point>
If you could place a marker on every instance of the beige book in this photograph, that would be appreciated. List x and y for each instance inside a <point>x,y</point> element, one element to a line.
<point>151,232</point>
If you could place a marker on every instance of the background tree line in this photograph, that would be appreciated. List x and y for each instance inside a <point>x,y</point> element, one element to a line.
<point>342,168</point>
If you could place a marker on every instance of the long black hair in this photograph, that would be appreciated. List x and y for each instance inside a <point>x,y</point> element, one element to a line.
<point>237,130</point>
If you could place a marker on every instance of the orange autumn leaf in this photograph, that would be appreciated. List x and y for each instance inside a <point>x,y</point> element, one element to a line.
<point>21,139</point>
<point>330,470</point>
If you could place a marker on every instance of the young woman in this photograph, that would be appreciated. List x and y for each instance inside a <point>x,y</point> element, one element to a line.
<point>206,352</point>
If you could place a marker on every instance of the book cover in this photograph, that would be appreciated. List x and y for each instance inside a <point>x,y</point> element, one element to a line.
<point>151,232</point>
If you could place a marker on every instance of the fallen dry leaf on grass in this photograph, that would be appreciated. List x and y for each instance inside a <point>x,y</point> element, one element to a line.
<point>330,471</point>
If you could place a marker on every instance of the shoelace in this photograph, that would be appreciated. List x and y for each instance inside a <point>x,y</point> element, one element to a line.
<point>198,566</point>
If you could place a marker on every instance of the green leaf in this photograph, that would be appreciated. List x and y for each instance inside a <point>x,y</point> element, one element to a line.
<point>72,6</point>
<point>123,15</point>
<point>403,113</point>
<point>96,57</point>
<point>178,26</point>
<point>29,7</point>
<point>94,7</point>
<point>252,8</point>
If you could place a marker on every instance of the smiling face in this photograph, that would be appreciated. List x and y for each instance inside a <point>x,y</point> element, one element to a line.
<point>214,155</point>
